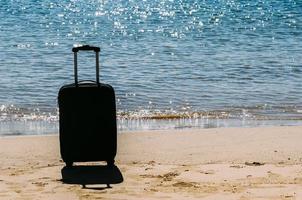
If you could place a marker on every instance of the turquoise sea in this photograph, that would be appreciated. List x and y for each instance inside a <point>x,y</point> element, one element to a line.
<point>173,63</point>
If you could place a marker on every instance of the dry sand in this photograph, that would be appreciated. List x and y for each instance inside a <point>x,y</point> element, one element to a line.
<point>224,163</point>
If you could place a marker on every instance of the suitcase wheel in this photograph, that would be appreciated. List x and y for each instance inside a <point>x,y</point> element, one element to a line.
<point>110,163</point>
<point>69,164</point>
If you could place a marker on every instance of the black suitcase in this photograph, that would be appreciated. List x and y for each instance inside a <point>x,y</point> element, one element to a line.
<point>87,118</point>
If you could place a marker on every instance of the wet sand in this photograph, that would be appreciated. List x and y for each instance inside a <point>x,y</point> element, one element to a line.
<point>223,163</point>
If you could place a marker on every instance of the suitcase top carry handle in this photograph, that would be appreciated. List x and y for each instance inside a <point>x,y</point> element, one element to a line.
<point>86,48</point>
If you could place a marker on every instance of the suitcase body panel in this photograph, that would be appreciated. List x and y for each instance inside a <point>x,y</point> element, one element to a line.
<point>87,122</point>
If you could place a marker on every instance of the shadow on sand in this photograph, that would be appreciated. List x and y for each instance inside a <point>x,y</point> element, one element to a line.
<point>91,176</point>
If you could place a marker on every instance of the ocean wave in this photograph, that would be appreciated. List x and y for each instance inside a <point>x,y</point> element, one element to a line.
<point>14,113</point>
<point>263,112</point>
<point>16,120</point>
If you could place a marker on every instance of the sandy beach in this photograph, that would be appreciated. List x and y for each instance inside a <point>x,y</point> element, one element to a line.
<point>224,163</point>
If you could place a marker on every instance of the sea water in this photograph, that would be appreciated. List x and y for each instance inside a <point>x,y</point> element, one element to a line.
<point>173,63</point>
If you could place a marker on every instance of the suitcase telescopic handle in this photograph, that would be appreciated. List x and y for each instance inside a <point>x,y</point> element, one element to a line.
<point>75,51</point>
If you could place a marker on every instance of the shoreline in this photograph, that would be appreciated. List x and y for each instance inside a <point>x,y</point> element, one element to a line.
<point>50,128</point>
<point>217,163</point>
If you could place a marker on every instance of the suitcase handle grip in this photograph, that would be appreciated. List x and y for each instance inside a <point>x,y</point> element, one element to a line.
<point>75,50</point>
<point>86,48</point>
